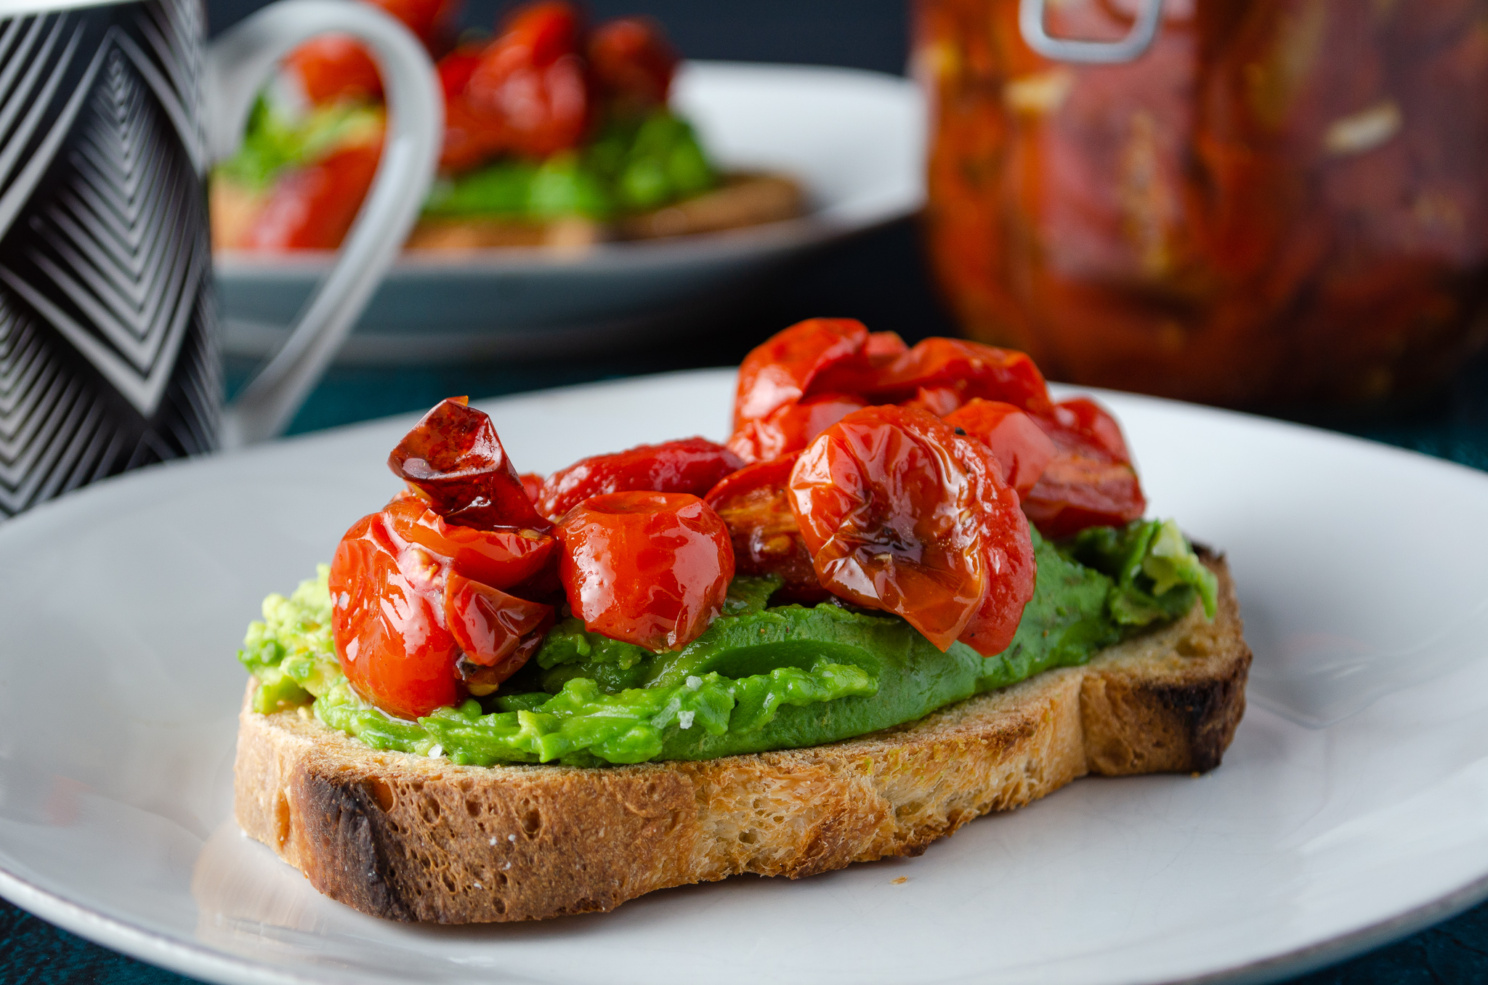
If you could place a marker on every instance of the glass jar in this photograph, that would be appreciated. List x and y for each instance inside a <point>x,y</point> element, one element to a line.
<point>1274,202</point>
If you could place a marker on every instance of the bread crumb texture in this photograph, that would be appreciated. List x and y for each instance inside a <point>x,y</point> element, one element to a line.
<point>419,839</point>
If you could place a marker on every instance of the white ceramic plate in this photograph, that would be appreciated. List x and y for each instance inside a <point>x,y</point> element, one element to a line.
<point>1352,807</point>
<point>855,140</point>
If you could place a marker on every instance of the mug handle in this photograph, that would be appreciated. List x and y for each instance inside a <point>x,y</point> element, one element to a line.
<point>236,66</point>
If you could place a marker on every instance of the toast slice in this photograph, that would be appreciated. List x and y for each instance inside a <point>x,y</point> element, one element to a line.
<point>413,838</point>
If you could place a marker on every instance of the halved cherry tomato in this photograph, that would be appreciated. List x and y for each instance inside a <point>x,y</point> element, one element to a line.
<point>387,619</point>
<point>1090,481</point>
<point>1016,441</point>
<point>967,369</point>
<point>500,558</point>
<point>901,513</point>
<point>779,370</point>
<point>791,427</point>
<point>766,538</point>
<point>691,465</point>
<point>632,62</point>
<point>490,625</point>
<point>530,84</point>
<point>311,208</point>
<point>645,567</point>
<point>456,461</point>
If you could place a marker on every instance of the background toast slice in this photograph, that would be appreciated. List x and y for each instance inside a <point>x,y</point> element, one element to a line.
<point>413,838</point>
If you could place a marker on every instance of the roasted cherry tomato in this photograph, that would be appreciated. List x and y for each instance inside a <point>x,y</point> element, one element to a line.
<point>333,68</point>
<point>455,460</point>
<point>387,619</point>
<point>778,371</point>
<point>766,538</point>
<point>500,558</point>
<point>311,208</point>
<point>791,427</point>
<point>691,465</point>
<point>530,85</point>
<point>901,513</point>
<point>645,567</point>
<point>967,370</point>
<point>490,625</point>
<point>1016,441</point>
<point>455,70</point>
<point>1090,481</point>
<point>532,484</point>
<point>632,62</point>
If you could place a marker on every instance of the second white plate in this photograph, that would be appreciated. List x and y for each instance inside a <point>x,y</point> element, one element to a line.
<point>854,139</point>
<point>1353,805</point>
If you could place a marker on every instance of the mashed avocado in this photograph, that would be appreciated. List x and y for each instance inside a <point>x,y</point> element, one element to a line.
<point>761,677</point>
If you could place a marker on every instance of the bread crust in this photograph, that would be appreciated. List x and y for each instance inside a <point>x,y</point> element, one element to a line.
<point>412,838</point>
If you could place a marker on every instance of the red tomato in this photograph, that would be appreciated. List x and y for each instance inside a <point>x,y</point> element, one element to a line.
<point>780,370</point>
<point>1090,481</point>
<point>499,558</point>
<point>532,484</point>
<point>1016,441</point>
<point>969,370</point>
<point>312,207</point>
<point>387,619</point>
<point>455,460</point>
<point>901,513</point>
<point>490,625</point>
<point>632,62</point>
<point>335,67</point>
<point>691,465</point>
<point>766,538</point>
<point>455,70</point>
<point>531,85</point>
<point>791,427</point>
<point>645,567</point>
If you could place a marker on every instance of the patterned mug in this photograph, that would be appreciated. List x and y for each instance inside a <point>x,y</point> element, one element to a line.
<point>110,115</point>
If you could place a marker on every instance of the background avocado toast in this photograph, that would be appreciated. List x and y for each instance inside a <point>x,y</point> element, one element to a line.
<point>799,725</point>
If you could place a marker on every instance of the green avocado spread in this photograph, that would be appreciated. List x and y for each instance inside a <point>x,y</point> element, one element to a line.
<point>761,677</point>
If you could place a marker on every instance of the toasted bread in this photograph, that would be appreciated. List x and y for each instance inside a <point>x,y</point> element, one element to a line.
<point>414,838</point>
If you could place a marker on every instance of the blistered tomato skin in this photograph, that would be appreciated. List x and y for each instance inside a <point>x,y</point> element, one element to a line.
<point>902,514</point>
<point>767,540</point>
<point>644,567</point>
<point>489,625</point>
<point>691,465</point>
<point>456,461</point>
<point>780,370</point>
<point>1014,438</point>
<point>1090,481</point>
<point>499,558</point>
<point>387,619</point>
<point>967,369</point>
<point>790,428</point>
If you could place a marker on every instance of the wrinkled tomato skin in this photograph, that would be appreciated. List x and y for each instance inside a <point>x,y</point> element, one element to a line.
<point>767,540</point>
<point>791,427</point>
<point>780,370</point>
<point>969,370</point>
<point>1016,441</point>
<point>499,558</point>
<point>902,514</point>
<point>691,465</point>
<point>632,62</point>
<point>456,461</point>
<point>312,207</point>
<point>488,624</point>
<point>387,620</point>
<point>645,567</point>
<point>1090,482</point>
<point>530,86</point>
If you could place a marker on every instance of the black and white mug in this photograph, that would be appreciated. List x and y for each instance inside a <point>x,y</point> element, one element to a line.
<point>110,115</point>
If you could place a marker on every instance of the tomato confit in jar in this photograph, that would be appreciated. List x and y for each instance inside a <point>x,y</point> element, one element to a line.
<point>1277,202</point>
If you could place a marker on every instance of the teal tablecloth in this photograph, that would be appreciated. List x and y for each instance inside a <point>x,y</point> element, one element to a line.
<point>1453,426</point>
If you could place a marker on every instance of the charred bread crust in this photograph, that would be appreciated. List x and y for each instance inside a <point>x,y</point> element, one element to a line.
<point>411,838</point>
